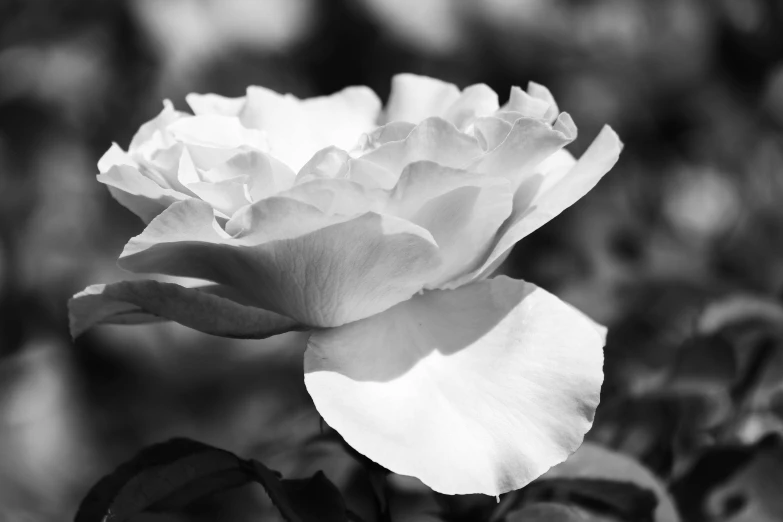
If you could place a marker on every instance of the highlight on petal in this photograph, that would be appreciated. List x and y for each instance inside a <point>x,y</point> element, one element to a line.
<point>137,193</point>
<point>414,98</point>
<point>291,258</point>
<point>474,390</point>
<point>297,129</point>
<point>206,309</point>
<point>541,200</point>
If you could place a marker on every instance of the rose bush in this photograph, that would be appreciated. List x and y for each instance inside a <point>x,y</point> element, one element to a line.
<point>376,230</point>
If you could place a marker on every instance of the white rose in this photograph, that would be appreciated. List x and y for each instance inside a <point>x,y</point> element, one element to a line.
<point>304,214</point>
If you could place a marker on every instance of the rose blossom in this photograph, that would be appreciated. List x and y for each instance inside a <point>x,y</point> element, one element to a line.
<point>376,231</point>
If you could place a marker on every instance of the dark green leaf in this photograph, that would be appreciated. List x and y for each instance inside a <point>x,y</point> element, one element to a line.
<point>595,463</point>
<point>548,512</point>
<point>305,500</point>
<point>171,475</point>
<point>623,500</point>
<point>157,473</point>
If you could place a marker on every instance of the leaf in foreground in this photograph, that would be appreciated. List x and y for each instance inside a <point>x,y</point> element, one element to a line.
<point>173,474</point>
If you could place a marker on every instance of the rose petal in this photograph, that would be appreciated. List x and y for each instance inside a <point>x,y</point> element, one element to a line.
<point>462,210</point>
<point>536,90</point>
<point>475,390</point>
<point>226,196</point>
<point>153,135</point>
<point>340,197</point>
<point>330,163</point>
<point>204,309</point>
<point>215,104</point>
<point>491,131</point>
<point>297,129</point>
<point>291,258</point>
<point>434,139</point>
<point>392,131</point>
<point>266,175</point>
<point>529,142</point>
<point>213,131</point>
<point>549,195</point>
<point>115,156</point>
<point>335,163</point>
<point>414,98</point>
<point>475,101</point>
<point>527,105</point>
<point>139,194</point>
<point>343,117</point>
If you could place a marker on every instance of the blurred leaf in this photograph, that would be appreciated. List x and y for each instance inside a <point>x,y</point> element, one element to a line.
<point>302,500</point>
<point>549,512</point>
<point>752,494</point>
<point>594,462</point>
<point>713,467</point>
<point>703,363</point>
<point>740,309</point>
<point>173,474</point>
<point>618,500</point>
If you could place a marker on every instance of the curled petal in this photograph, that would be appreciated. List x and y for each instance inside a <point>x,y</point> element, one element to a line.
<point>462,210</point>
<point>392,131</point>
<point>206,309</point>
<point>434,139</point>
<point>528,143</point>
<point>475,101</point>
<point>536,90</point>
<point>266,175</point>
<point>215,104</point>
<point>338,196</point>
<point>334,163</point>
<point>291,258</point>
<point>526,105</point>
<point>414,98</point>
<point>490,131</point>
<point>153,135</point>
<point>213,131</point>
<point>475,390</point>
<point>542,197</point>
<point>115,156</point>
<point>226,196</point>
<point>328,163</point>
<point>137,193</point>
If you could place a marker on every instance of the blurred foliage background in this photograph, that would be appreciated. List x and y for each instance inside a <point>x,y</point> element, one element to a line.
<point>679,249</point>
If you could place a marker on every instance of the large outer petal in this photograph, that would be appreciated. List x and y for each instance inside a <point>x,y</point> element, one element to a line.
<point>291,258</point>
<point>475,390</point>
<point>206,309</point>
